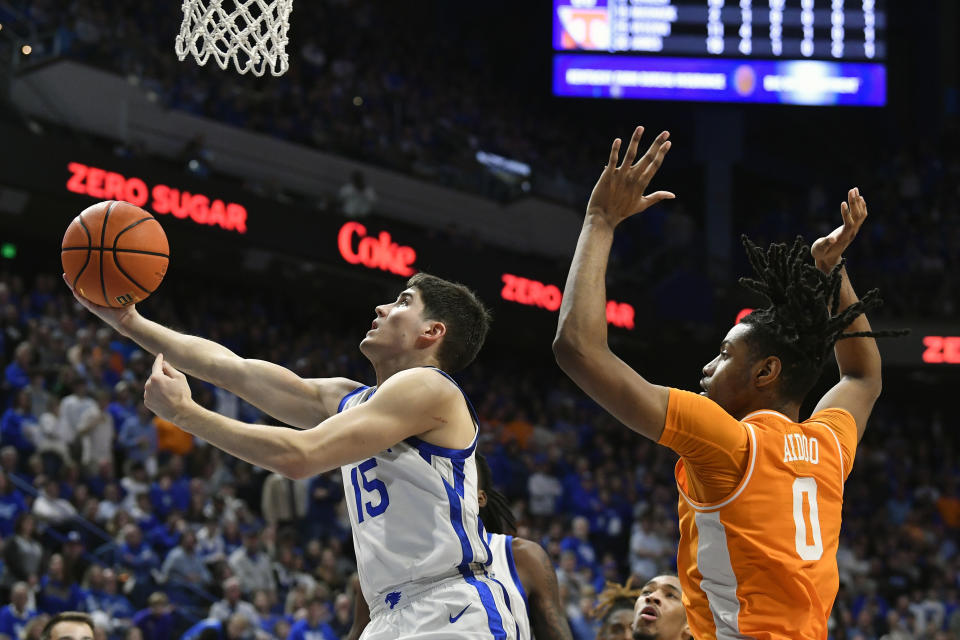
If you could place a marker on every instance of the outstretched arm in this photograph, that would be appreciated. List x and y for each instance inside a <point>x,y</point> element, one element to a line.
<point>580,345</point>
<point>858,358</point>
<point>547,618</point>
<point>412,402</point>
<point>271,388</point>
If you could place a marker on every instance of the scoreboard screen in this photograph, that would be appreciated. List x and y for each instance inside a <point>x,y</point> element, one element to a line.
<point>818,52</point>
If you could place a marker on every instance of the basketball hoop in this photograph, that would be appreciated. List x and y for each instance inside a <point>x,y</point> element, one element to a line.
<point>252,34</point>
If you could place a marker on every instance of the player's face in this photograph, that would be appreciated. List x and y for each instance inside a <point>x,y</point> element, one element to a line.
<point>659,612</point>
<point>618,626</point>
<point>71,631</point>
<point>397,327</point>
<point>727,378</point>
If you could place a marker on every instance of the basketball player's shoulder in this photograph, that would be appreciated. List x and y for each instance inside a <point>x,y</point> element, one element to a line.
<point>531,560</point>
<point>834,418</point>
<point>420,387</point>
<point>425,383</point>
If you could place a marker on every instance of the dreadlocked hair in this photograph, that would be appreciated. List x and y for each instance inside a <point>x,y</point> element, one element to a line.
<point>802,322</point>
<point>615,597</point>
<point>496,514</point>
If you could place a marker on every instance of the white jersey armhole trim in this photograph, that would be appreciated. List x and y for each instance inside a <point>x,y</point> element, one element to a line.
<point>843,477</point>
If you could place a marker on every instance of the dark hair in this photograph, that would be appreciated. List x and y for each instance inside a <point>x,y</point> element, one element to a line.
<point>458,308</point>
<point>66,616</point>
<point>802,323</point>
<point>496,515</point>
<point>613,598</point>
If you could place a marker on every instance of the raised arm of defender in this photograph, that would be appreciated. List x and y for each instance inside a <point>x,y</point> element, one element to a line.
<point>273,389</point>
<point>581,345</point>
<point>858,358</point>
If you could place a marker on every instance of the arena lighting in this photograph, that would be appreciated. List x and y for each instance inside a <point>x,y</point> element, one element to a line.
<point>941,349</point>
<point>198,208</point>
<point>533,293</point>
<point>26,49</point>
<point>380,252</point>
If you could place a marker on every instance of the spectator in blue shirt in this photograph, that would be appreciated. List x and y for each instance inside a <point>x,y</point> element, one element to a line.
<point>12,504</point>
<point>56,594</point>
<point>104,597</point>
<point>314,626</point>
<point>17,374</point>
<point>136,556</point>
<point>138,436</point>
<point>236,627</point>
<point>122,406</point>
<point>579,543</point>
<point>157,621</point>
<point>15,616</point>
<point>13,422</point>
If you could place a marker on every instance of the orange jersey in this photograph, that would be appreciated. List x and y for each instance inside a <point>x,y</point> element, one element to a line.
<point>760,503</point>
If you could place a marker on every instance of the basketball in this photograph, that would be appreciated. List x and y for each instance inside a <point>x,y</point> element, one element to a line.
<point>114,254</point>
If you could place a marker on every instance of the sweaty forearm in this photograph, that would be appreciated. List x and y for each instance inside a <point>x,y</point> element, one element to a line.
<point>856,357</point>
<point>583,320</point>
<point>200,358</point>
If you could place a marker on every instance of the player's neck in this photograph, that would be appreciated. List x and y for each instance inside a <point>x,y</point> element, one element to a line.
<point>788,408</point>
<point>401,362</point>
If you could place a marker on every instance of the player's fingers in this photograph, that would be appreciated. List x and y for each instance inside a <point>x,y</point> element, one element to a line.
<point>845,214</point>
<point>652,152</point>
<point>170,371</point>
<point>158,365</point>
<point>657,160</point>
<point>657,196</point>
<point>631,154</point>
<point>614,155</point>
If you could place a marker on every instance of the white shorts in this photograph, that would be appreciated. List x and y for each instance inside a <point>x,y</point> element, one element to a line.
<point>473,608</point>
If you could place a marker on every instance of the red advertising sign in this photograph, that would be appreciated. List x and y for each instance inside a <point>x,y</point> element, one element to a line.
<point>941,349</point>
<point>379,252</point>
<point>533,293</point>
<point>109,185</point>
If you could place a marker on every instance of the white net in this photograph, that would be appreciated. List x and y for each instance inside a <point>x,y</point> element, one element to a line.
<point>250,33</point>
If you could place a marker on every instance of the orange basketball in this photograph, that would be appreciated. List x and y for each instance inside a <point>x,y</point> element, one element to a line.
<point>115,254</point>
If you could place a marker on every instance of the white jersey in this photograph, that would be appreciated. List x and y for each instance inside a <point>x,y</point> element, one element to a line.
<point>504,571</point>
<point>415,518</point>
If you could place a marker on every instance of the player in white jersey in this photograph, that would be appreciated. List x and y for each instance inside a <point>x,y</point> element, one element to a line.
<point>521,568</point>
<point>406,448</point>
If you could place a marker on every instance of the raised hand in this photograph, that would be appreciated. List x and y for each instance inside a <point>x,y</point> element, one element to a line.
<point>619,193</point>
<point>111,316</point>
<point>828,250</point>
<point>166,392</point>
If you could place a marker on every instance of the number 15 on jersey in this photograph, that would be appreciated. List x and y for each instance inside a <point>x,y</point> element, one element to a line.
<point>363,474</point>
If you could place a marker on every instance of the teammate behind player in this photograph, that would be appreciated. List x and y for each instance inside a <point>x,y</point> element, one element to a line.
<point>654,612</point>
<point>405,448</point>
<point>522,568</point>
<point>761,493</point>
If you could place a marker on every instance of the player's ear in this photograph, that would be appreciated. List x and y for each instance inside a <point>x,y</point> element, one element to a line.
<point>685,633</point>
<point>767,371</point>
<point>433,332</point>
<point>481,498</point>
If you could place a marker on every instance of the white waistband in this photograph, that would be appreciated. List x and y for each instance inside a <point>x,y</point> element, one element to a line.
<point>405,595</point>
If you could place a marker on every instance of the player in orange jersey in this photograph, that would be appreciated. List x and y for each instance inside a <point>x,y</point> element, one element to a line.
<point>760,492</point>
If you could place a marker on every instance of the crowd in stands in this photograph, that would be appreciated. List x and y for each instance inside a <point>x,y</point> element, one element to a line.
<point>107,509</point>
<point>357,86</point>
<point>914,188</point>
